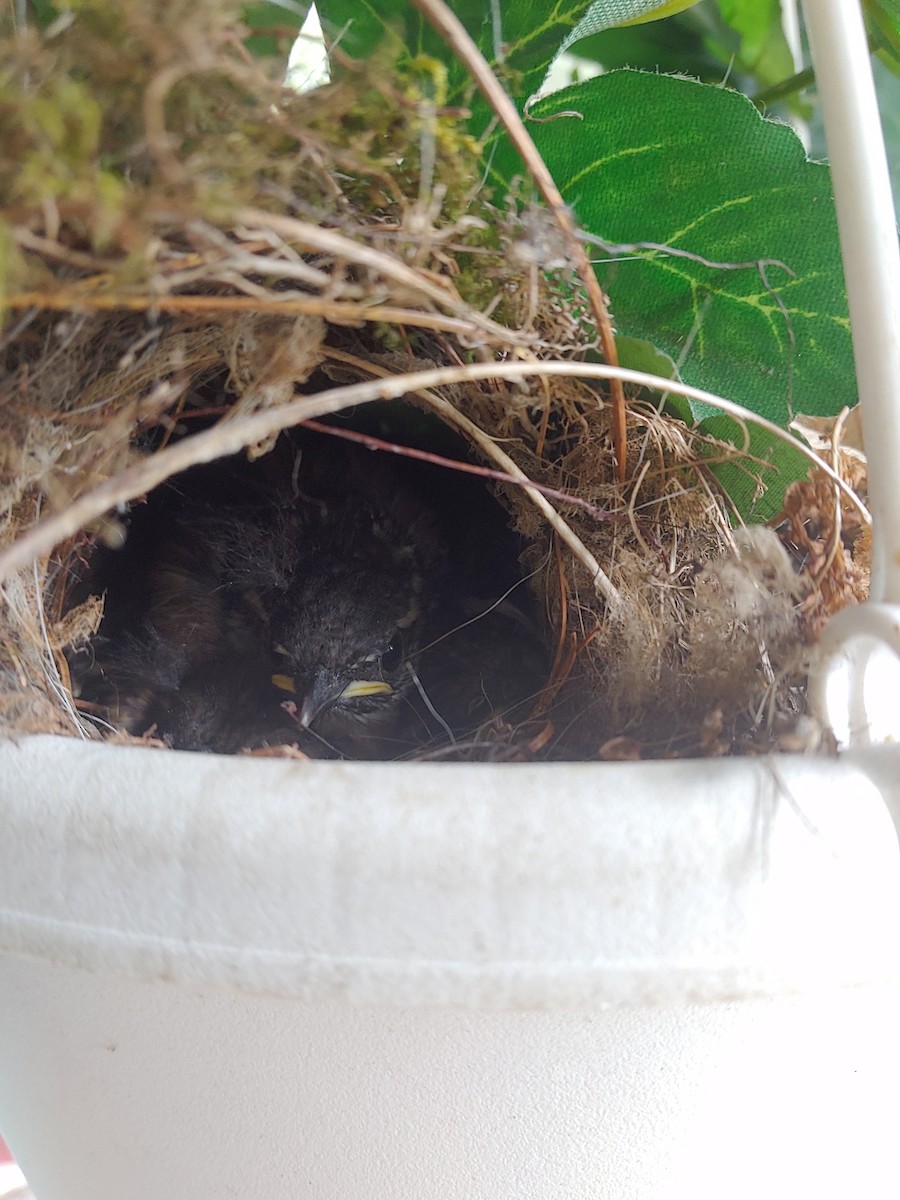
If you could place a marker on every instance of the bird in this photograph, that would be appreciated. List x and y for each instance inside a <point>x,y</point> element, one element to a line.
<point>184,689</point>
<point>179,655</point>
<point>349,576</point>
<point>311,603</point>
<point>272,605</point>
<point>145,687</point>
<point>487,663</point>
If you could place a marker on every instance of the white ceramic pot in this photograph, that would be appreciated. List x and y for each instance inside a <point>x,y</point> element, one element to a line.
<point>271,980</point>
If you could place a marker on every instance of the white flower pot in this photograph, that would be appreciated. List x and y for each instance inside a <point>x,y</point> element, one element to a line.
<point>268,979</point>
<point>271,980</point>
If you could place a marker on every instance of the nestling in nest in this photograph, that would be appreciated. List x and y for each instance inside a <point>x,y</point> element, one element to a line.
<point>214,261</point>
<point>310,599</point>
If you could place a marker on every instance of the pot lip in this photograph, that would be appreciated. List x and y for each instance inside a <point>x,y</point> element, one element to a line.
<point>876,759</point>
<point>578,885</point>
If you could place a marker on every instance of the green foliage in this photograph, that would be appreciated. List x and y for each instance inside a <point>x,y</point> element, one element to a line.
<point>668,46</point>
<point>754,301</point>
<point>42,12</point>
<point>273,26</point>
<point>883,24</point>
<point>888,87</point>
<point>754,483</point>
<point>638,354</point>
<point>520,46</point>
<point>753,306</point>
<point>651,160</point>
<point>760,51</point>
<point>738,41</point>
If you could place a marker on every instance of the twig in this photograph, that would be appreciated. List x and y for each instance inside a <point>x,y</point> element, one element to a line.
<point>784,88</point>
<point>635,529</point>
<point>454,464</point>
<point>489,448</point>
<point>327,241</point>
<point>50,249</point>
<point>229,437</point>
<point>834,541</point>
<point>340,312</point>
<point>452,29</point>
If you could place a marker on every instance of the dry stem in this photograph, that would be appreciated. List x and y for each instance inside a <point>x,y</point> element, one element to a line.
<point>450,26</point>
<point>232,436</point>
<point>339,312</point>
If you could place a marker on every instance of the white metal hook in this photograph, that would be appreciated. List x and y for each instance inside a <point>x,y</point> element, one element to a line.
<point>841,687</point>
<point>856,685</point>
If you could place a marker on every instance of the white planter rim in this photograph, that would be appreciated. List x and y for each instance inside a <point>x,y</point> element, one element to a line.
<point>461,884</point>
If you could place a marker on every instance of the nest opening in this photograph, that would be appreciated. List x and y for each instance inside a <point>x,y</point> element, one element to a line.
<point>704,652</point>
<point>196,582</point>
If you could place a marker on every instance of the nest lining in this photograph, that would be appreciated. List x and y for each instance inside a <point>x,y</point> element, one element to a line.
<point>321,252</point>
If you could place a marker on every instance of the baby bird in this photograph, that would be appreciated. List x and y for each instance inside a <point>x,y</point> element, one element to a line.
<point>311,603</point>
<point>285,606</point>
<point>348,575</point>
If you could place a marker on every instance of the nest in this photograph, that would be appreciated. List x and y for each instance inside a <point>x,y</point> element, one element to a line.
<point>197,259</point>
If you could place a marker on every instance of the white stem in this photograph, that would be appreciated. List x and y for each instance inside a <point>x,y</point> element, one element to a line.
<point>790,27</point>
<point>871,260</point>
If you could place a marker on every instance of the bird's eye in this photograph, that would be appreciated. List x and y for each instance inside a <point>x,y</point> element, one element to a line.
<point>393,655</point>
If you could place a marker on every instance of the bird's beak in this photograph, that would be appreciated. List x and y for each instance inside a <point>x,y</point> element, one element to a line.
<point>327,689</point>
<point>365,687</point>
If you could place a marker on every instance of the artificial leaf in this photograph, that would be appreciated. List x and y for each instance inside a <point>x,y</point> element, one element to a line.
<point>640,355</point>
<point>273,25</point>
<point>756,481</point>
<point>518,39</point>
<point>883,27</point>
<point>272,14</point>
<point>762,50</point>
<point>661,10</point>
<point>755,290</point>
<point>662,46</point>
<point>608,14</point>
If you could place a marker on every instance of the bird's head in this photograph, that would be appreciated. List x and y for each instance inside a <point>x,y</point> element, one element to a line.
<point>341,641</point>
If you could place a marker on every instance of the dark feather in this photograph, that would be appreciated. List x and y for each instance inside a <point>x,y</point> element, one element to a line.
<point>323,582</point>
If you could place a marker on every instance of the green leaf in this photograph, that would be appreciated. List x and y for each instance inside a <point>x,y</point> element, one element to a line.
<point>274,25</point>
<point>756,483</point>
<point>762,50</point>
<point>607,14</point>
<point>41,13</point>
<point>887,85</point>
<point>674,45</point>
<point>883,26</point>
<point>679,164</point>
<point>271,14</point>
<point>640,355</point>
<point>519,39</point>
